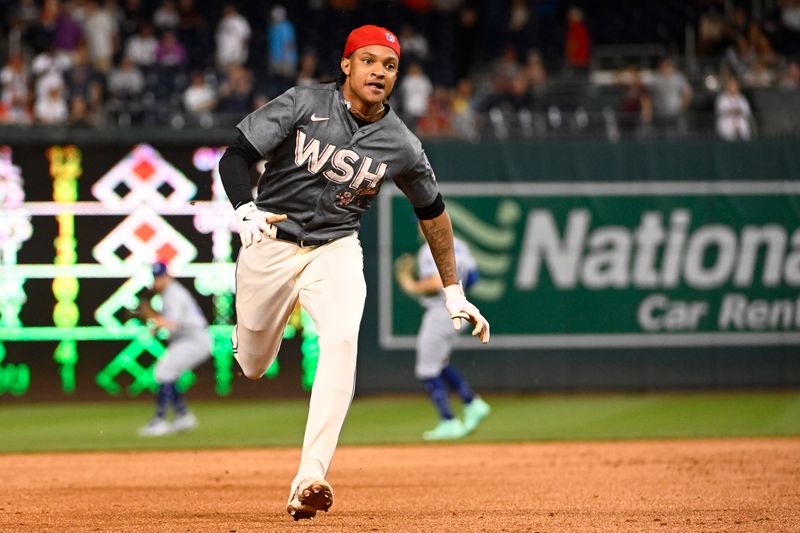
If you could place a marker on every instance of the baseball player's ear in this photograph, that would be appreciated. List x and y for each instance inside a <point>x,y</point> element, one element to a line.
<point>345,64</point>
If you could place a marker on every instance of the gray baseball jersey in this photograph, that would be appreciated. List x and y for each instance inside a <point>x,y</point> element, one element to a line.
<point>177,305</point>
<point>323,169</point>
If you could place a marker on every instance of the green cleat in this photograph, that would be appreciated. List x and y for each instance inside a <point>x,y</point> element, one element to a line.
<point>446,430</point>
<point>474,412</point>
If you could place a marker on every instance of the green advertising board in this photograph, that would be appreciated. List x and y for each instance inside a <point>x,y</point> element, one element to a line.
<point>614,264</point>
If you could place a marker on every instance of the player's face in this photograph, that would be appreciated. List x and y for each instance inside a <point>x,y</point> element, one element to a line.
<point>371,74</point>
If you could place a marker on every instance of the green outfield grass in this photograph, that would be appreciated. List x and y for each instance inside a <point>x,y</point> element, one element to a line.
<point>401,420</point>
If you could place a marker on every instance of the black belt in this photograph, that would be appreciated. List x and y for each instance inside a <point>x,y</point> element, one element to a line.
<point>302,243</point>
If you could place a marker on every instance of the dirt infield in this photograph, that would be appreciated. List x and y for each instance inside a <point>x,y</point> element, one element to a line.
<point>681,485</point>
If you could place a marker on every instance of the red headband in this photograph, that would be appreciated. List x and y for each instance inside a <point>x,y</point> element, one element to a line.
<point>367,35</point>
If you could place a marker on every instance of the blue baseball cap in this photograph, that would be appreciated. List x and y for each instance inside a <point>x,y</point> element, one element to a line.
<point>159,269</point>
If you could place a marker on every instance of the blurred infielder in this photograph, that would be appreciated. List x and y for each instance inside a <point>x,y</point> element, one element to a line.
<point>435,341</point>
<point>189,345</point>
<point>329,148</point>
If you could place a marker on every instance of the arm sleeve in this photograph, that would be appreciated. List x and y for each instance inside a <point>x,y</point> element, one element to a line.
<point>418,183</point>
<point>234,170</point>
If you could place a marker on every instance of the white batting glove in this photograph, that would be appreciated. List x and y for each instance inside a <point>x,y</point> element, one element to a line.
<point>253,224</point>
<point>459,308</point>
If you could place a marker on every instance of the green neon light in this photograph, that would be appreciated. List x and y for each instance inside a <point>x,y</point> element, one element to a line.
<point>14,379</point>
<point>310,350</point>
<point>136,360</point>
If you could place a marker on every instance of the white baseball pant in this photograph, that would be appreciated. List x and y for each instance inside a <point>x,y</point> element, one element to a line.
<point>329,281</point>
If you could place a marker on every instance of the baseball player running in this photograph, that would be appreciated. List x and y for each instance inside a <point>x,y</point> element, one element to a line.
<point>329,149</point>
<point>189,345</point>
<point>435,341</point>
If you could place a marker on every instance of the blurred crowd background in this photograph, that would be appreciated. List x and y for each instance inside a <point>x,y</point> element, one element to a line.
<point>469,69</point>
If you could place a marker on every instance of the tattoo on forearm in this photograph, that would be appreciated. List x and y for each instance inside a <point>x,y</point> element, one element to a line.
<point>439,234</point>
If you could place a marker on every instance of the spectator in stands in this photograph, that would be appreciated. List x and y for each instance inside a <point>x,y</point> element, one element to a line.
<point>141,47</point>
<point>468,41</point>
<point>521,27</point>
<point>536,77</point>
<point>131,18</point>
<point>415,90</point>
<point>233,39</point>
<point>577,43</point>
<point>170,52</point>
<point>750,47</point>
<point>437,121</point>
<point>166,17</point>
<point>79,114</point>
<point>758,75</point>
<point>711,26</point>
<point>465,116</point>
<point>734,119</point>
<point>48,67</point>
<point>40,35</point>
<point>199,99</point>
<point>788,30</point>
<point>282,45</point>
<point>101,33</point>
<point>790,14</point>
<point>415,45</point>
<point>636,109</point>
<point>308,70</point>
<point>236,92</point>
<point>26,13</point>
<point>193,33</point>
<point>126,81</point>
<point>505,70</point>
<point>85,82</point>
<point>68,32</point>
<point>671,95</point>
<point>51,107</point>
<point>15,80</point>
<point>790,78</point>
<point>519,99</point>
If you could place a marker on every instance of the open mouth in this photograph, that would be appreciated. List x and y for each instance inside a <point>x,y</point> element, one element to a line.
<point>376,85</point>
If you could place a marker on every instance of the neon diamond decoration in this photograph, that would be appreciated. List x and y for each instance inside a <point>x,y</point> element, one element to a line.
<point>143,172</point>
<point>147,237</point>
<point>145,232</point>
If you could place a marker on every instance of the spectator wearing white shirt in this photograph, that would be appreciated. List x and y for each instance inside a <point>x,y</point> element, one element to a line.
<point>734,118</point>
<point>101,32</point>
<point>199,98</point>
<point>51,106</point>
<point>125,81</point>
<point>48,69</point>
<point>415,90</point>
<point>142,47</point>
<point>233,38</point>
<point>166,17</point>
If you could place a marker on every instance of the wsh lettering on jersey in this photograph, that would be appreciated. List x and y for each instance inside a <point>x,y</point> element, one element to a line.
<point>342,160</point>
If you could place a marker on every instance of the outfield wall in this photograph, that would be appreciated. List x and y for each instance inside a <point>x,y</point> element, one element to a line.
<point>634,265</point>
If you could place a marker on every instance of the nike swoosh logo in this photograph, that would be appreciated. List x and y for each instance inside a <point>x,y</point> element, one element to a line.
<point>315,118</point>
